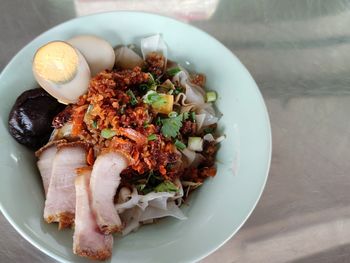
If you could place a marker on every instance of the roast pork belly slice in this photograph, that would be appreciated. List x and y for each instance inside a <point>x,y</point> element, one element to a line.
<point>60,199</point>
<point>88,240</point>
<point>105,179</point>
<point>46,156</point>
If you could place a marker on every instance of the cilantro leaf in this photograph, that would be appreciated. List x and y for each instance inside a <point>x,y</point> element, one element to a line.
<point>171,126</point>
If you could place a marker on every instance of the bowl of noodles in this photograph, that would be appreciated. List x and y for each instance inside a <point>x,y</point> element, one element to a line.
<point>160,156</point>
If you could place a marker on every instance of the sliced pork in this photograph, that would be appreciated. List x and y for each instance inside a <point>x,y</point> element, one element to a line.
<point>88,241</point>
<point>105,179</point>
<point>46,157</point>
<point>60,199</point>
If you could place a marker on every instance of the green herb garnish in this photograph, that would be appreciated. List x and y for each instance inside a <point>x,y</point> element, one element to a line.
<point>193,116</point>
<point>151,84</point>
<point>108,133</point>
<point>171,126</point>
<point>133,100</point>
<point>177,90</point>
<point>90,107</point>
<point>94,124</point>
<point>180,145</point>
<point>208,130</point>
<point>172,114</point>
<point>158,121</point>
<point>186,115</point>
<point>166,186</point>
<point>211,96</point>
<point>152,137</point>
<point>173,71</point>
<point>122,109</point>
<point>143,87</point>
<point>154,99</point>
<point>140,187</point>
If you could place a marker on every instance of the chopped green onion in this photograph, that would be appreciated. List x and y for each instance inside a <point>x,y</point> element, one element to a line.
<point>143,87</point>
<point>173,71</point>
<point>87,117</point>
<point>150,85</point>
<point>158,121</point>
<point>167,85</point>
<point>140,187</point>
<point>180,145</point>
<point>193,116</point>
<point>133,100</point>
<point>211,96</point>
<point>94,124</point>
<point>150,174</point>
<point>108,133</point>
<point>186,115</point>
<point>152,82</point>
<point>145,124</point>
<point>208,130</point>
<point>166,186</point>
<point>154,99</point>
<point>177,90</point>
<point>151,77</point>
<point>195,144</point>
<point>172,114</point>
<point>89,108</point>
<point>152,137</point>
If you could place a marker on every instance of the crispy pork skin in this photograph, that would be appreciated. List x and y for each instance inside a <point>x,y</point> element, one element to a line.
<point>105,179</point>
<point>60,199</point>
<point>46,156</point>
<point>88,240</point>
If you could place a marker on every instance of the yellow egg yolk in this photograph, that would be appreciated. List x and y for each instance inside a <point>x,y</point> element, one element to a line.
<point>56,61</point>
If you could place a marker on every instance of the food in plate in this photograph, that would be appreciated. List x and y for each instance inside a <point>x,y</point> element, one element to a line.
<point>61,70</point>
<point>131,144</point>
<point>98,53</point>
<point>30,117</point>
<point>88,240</point>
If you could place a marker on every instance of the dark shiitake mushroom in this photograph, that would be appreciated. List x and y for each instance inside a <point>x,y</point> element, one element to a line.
<point>31,116</point>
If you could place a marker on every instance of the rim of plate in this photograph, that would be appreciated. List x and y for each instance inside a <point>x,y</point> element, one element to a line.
<point>262,102</point>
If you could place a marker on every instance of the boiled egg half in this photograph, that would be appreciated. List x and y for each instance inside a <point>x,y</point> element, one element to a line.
<point>62,71</point>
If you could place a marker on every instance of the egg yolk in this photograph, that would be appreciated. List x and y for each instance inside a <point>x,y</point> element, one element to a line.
<point>56,61</point>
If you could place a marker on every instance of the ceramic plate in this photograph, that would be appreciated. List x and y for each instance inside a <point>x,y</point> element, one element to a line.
<point>215,211</point>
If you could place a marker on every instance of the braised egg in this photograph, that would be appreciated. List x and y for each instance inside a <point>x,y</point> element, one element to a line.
<point>98,53</point>
<point>62,71</point>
